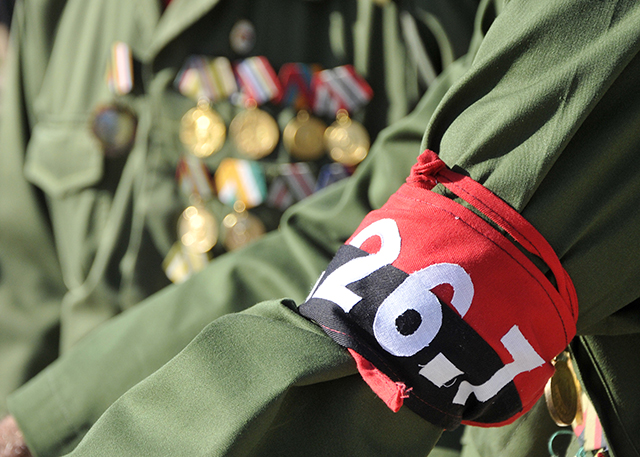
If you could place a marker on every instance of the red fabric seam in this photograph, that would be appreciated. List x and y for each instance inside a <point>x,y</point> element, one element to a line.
<point>487,208</point>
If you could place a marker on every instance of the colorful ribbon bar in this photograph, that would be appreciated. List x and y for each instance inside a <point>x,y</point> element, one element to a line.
<point>120,69</point>
<point>240,180</point>
<point>294,183</point>
<point>295,79</point>
<point>258,80</point>
<point>339,88</point>
<point>331,173</point>
<point>209,78</point>
<point>194,178</point>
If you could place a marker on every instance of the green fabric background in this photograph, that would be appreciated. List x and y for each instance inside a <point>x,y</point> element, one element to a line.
<point>546,117</point>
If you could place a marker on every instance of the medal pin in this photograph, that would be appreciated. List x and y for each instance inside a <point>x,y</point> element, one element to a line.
<point>254,131</point>
<point>562,392</point>
<point>240,227</point>
<point>114,124</point>
<point>339,91</point>
<point>302,137</point>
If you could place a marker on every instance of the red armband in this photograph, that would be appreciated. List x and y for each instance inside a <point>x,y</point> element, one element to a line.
<point>441,311</point>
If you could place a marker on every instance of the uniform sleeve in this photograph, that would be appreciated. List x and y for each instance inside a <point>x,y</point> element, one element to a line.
<point>546,120</point>
<point>30,284</point>
<point>253,394</point>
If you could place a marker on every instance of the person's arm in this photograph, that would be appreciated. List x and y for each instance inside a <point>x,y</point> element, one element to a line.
<point>532,121</point>
<point>56,408</point>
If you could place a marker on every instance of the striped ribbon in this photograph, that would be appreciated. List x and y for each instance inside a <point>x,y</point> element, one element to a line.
<point>339,88</point>
<point>589,432</point>
<point>294,183</point>
<point>258,80</point>
<point>120,69</point>
<point>204,77</point>
<point>193,178</point>
<point>295,79</point>
<point>240,180</point>
<point>331,173</point>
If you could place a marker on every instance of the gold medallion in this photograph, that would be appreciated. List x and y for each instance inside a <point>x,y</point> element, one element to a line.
<point>254,132</point>
<point>202,130</point>
<point>303,137</point>
<point>197,229</point>
<point>241,227</point>
<point>562,393</point>
<point>346,140</point>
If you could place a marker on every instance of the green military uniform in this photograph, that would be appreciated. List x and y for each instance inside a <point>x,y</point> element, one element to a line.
<point>72,253</point>
<point>547,119</point>
<point>84,237</point>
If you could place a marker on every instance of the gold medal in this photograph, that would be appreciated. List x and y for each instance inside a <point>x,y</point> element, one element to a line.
<point>202,130</point>
<point>562,393</point>
<point>254,132</point>
<point>303,137</point>
<point>241,227</point>
<point>197,229</point>
<point>346,140</point>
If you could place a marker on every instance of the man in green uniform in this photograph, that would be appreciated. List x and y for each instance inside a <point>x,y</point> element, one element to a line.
<point>83,237</point>
<point>546,119</point>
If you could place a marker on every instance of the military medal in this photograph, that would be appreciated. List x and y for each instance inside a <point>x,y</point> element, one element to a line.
<point>588,429</point>
<point>303,137</point>
<point>114,126</point>
<point>562,393</point>
<point>339,88</point>
<point>181,263</point>
<point>346,140</point>
<point>340,91</point>
<point>202,130</point>
<point>197,229</point>
<point>241,227</point>
<point>254,131</point>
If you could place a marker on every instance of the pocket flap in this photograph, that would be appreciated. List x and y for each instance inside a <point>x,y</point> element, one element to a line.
<point>63,158</point>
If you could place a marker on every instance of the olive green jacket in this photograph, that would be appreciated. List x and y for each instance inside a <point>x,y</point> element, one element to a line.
<point>547,118</point>
<point>83,238</point>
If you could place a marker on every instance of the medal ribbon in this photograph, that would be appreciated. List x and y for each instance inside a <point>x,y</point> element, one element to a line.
<point>120,69</point>
<point>240,180</point>
<point>295,79</point>
<point>330,173</point>
<point>589,432</point>
<point>193,177</point>
<point>340,88</point>
<point>258,80</point>
<point>294,183</point>
<point>209,78</point>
